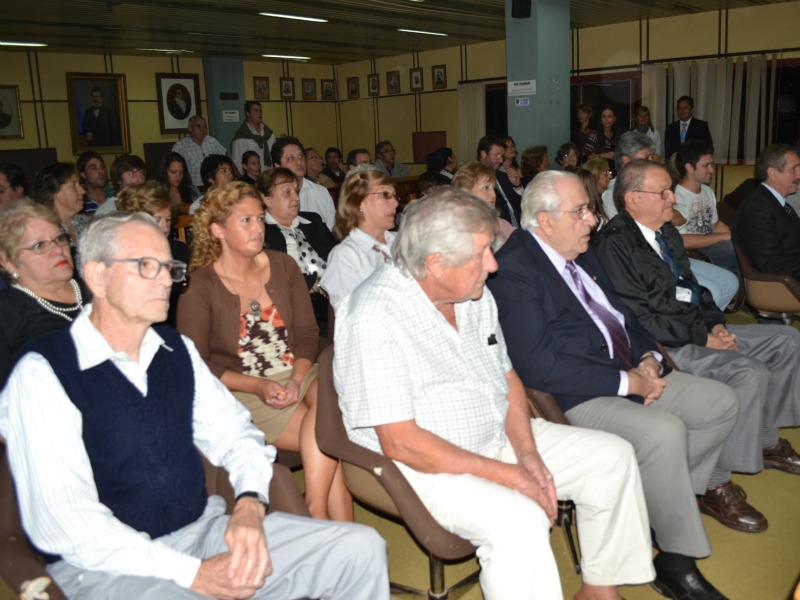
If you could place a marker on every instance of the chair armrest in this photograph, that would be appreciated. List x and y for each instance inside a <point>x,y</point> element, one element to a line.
<point>545,406</point>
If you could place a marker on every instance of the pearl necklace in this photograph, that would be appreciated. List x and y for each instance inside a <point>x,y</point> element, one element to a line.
<point>52,308</point>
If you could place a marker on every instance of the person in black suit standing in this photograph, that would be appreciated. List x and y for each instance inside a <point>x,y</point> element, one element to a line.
<point>569,334</point>
<point>685,128</point>
<point>766,227</point>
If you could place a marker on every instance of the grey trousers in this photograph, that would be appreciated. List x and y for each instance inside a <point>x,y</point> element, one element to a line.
<point>765,373</point>
<point>677,440</point>
<point>310,558</point>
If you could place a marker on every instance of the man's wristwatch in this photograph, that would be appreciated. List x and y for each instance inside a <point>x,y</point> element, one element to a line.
<point>255,495</point>
<point>656,356</point>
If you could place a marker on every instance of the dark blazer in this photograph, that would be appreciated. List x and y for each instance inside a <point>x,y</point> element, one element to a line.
<point>697,130</point>
<point>317,234</point>
<point>769,236</point>
<point>552,341</point>
<point>514,198</point>
<point>646,284</point>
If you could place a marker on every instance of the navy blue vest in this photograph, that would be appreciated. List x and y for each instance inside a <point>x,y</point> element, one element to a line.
<point>141,448</point>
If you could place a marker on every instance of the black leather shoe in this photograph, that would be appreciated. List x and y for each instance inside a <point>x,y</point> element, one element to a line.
<point>686,584</point>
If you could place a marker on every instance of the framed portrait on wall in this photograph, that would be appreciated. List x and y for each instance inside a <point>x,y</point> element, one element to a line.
<point>178,100</point>
<point>328,89</point>
<point>98,113</point>
<point>10,115</point>
<point>439,75</point>
<point>309,89</point>
<point>373,84</point>
<point>287,88</point>
<point>415,77</point>
<point>352,88</point>
<point>393,82</point>
<point>260,88</point>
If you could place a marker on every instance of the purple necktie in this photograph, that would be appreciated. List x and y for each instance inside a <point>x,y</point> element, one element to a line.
<point>619,338</point>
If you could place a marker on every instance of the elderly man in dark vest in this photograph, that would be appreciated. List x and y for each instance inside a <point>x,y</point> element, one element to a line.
<point>104,422</point>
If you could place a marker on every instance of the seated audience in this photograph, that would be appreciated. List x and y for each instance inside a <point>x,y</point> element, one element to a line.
<point>173,175</point>
<point>196,146</point>
<point>570,335</point>
<point>251,167</point>
<point>333,164</point>
<point>116,494</point>
<point>491,150</point>
<point>13,184</point>
<point>94,178</point>
<point>153,199</point>
<point>442,161</point>
<point>599,167</point>
<point>57,186</point>
<point>430,181</point>
<point>385,160</point>
<point>127,169</point>
<point>36,262</point>
<point>358,157</point>
<point>534,161</point>
<point>418,382</point>
<point>248,312</point>
<point>302,235</point>
<point>695,210</point>
<point>216,170</point>
<point>314,169</point>
<point>479,180</point>
<point>364,217</point>
<point>767,227</point>
<point>289,153</point>
<point>645,259</point>
<point>589,182</point>
<point>567,156</point>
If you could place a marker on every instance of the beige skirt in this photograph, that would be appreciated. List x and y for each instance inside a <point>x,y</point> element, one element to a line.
<point>272,421</point>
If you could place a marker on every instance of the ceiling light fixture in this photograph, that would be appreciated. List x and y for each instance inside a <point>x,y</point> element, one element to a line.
<point>423,32</point>
<point>295,17</point>
<point>286,56</point>
<point>166,50</point>
<point>24,44</point>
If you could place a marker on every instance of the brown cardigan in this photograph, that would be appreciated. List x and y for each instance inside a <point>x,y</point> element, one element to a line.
<point>209,314</point>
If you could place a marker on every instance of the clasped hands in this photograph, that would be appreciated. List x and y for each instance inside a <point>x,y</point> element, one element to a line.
<point>644,380</point>
<point>276,395</point>
<point>721,339</point>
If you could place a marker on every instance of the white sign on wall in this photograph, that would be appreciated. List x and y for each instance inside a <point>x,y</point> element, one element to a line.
<point>524,87</point>
<point>230,116</point>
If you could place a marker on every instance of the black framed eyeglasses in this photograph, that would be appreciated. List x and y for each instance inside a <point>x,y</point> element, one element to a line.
<point>149,267</point>
<point>665,194</point>
<point>43,247</point>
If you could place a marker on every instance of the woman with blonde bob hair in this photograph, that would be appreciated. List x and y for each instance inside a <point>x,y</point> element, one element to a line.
<point>248,312</point>
<point>479,180</point>
<point>367,206</point>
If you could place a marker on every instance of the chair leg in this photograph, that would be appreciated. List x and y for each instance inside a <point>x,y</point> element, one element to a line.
<point>437,591</point>
<point>566,518</point>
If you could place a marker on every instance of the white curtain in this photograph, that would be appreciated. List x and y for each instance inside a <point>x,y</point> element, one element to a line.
<point>471,119</point>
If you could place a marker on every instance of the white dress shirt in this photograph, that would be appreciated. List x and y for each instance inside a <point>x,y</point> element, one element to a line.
<point>59,502</point>
<point>352,261</point>
<point>316,198</point>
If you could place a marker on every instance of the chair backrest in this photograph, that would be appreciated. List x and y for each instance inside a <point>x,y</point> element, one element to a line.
<point>374,479</point>
<point>183,225</point>
<point>544,406</point>
<point>768,292</point>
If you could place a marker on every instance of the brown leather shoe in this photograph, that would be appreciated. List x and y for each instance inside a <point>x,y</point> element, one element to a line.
<point>727,504</point>
<point>782,457</point>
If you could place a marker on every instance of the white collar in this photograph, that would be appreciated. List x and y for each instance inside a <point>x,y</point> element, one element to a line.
<point>298,220</point>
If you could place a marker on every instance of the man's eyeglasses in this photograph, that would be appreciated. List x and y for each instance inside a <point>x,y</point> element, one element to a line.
<point>665,194</point>
<point>149,267</point>
<point>43,247</point>
<point>385,195</point>
<point>581,212</point>
<point>135,172</point>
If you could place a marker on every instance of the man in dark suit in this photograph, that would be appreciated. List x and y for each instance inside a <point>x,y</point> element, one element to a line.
<point>645,258</point>
<point>490,152</point>
<point>100,125</point>
<point>685,128</point>
<point>766,227</point>
<point>568,334</point>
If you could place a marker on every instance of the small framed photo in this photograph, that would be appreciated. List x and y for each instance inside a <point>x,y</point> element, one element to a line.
<point>352,88</point>
<point>393,82</point>
<point>261,88</point>
<point>287,88</point>
<point>415,76</point>
<point>328,89</point>
<point>10,116</point>
<point>439,75</point>
<point>98,115</point>
<point>178,99</point>
<point>373,84</point>
<point>309,89</point>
